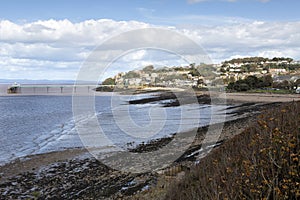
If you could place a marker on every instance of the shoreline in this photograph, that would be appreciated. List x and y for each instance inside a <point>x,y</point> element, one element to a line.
<point>235,97</point>
<point>62,166</point>
<point>68,168</point>
<point>66,174</point>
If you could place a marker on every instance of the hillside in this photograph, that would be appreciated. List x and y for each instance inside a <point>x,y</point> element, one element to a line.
<point>260,163</point>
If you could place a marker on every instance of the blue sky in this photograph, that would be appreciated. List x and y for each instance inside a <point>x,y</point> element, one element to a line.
<point>51,39</point>
<point>147,11</point>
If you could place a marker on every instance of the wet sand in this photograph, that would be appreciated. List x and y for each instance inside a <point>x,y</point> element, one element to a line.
<point>34,163</point>
<point>73,174</point>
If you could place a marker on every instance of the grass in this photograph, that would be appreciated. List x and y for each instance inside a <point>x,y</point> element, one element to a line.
<point>261,163</point>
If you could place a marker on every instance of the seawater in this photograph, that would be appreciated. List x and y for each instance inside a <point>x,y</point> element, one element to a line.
<point>38,124</point>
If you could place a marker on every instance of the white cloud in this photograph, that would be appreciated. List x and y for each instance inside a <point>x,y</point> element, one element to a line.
<point>64,32</point>
<point>132,56</point>
<point>19,68</point>
<point>55,49</point>
<point>253,38</point>
<point>44,47</point>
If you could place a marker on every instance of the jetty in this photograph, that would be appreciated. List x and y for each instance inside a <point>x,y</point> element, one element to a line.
<point>46,89</point>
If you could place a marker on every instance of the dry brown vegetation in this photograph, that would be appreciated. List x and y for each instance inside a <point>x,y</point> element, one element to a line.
<point>260,163</point>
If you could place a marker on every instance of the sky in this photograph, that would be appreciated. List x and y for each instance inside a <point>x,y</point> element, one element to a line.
<point>52,39</point>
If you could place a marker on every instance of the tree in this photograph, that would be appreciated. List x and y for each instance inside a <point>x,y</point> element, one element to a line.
<point>109,81</point>
<point>131,74</point>
<point>289,60</point>
<point>231,79</point>
<point>285,84</point>
<point>231,86</point>
<point>200,82</point>
<point>241,87</point>
<point>192,65</point>
<point>179,69</point>
<point>194,72</point>
<point>222,70</point>
<point>252,81</point>
<point>148,68</point>
<point>267,81</point>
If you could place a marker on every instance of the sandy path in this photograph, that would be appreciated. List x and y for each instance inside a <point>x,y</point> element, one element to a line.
<point>232,98</point>
<point>256,97</point>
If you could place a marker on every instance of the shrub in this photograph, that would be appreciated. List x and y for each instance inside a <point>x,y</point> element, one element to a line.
<point>251,82</point>
<point>260,163</point>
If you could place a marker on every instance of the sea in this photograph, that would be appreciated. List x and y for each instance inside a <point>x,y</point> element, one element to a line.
<point>35,123</point>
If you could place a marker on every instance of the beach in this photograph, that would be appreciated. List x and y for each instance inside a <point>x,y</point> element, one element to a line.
<point>74,174</point>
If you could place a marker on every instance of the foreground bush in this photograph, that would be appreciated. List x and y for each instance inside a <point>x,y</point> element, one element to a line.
<point>260,163</point>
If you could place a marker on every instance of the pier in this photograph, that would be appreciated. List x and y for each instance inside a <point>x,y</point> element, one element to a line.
<point>53,89</point>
